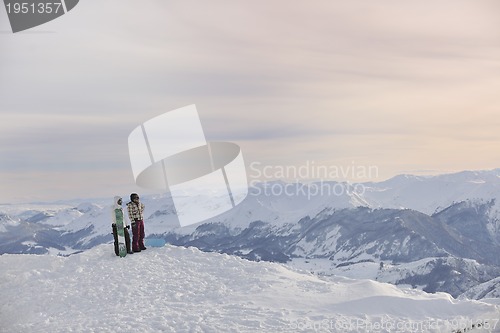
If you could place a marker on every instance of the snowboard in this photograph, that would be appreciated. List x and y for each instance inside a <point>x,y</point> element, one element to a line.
<point>122,248</point>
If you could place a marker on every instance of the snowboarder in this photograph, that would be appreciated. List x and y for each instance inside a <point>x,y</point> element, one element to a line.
<point>119,218</point>
<point>135,213</point>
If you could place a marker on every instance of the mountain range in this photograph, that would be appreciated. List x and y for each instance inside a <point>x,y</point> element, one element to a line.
<point>435,233</point>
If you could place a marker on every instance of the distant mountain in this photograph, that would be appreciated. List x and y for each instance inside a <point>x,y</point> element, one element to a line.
<point>351,236</point>
<point>6,222</point>
<point>430,194</point>
<point>451,274</point>
<point>488,289</point>
<point>439,233</point>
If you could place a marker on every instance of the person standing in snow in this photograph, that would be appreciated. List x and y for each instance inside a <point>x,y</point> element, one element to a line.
<point>117,213</point>
<point>135,213</point>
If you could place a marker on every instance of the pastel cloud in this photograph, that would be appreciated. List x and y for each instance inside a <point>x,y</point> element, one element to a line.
<point>402,85</point>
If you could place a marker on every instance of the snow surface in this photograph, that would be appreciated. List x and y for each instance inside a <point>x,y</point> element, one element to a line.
<point>175,289</point>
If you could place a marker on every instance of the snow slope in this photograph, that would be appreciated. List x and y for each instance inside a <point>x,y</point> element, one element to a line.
<point>175,289</point>
<point>489,289</point>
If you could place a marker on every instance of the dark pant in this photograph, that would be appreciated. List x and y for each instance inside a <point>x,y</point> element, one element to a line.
<point>138,235</point>
<point>115,236</point>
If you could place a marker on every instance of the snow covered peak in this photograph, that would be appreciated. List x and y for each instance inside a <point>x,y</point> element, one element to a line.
<point>6,221</point>
<point>429,194</point>
<point>87,207</point>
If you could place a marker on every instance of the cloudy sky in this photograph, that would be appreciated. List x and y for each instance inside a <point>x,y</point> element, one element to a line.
<point>406,86</point>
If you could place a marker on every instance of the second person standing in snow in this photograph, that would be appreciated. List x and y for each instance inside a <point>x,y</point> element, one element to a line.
<point>135,212</point>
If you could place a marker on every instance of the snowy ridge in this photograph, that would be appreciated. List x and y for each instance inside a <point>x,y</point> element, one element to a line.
<point>428,194</point>
<point>486,290</point>
<point>451,247</point>
<point>175,289</point>
<point>430,274</point>
<point>271,202</point>
<point>7,221</point>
